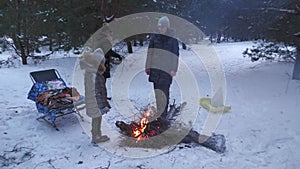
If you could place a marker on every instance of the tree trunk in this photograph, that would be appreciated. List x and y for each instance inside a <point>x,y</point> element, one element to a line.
<point>20,49</point>
<point>296,72</point>
<point>24,60</point>
<point>134,42</point>
<point>183,46</point>
<point>141,42</point>
<point>17,37</point>
<point>129,47</point>
<point>219,37</point>
<point>50,44</point>
<point>211,38</point>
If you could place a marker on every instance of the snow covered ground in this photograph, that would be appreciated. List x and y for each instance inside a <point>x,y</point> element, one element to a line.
<point>261,130</point>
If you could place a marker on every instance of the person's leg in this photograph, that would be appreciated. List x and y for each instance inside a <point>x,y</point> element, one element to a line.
<point>95,128</point>
<point>97,136</point>
<point>114,54</point>
<point>92,109</point>
<point>162,92</point>
<point>166,91</point>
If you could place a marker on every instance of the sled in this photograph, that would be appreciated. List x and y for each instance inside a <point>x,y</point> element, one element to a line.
<point>48,81</point>
<point>206,104</point>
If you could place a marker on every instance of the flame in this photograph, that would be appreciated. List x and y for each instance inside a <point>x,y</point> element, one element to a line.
<point>142,125</point>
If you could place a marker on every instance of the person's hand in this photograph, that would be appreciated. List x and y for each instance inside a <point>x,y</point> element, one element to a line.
<point>104,110</point>
<point>173,73</point>
<point>106,107</point>
<point>147,71</point>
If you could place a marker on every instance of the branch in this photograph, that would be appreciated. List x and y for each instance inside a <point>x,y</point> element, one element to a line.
<point>33,56</point>
<point>107,167</point>
<point>16,156</point>
<point>47,162</point>
<point>289,11</point>
<point>297,34</point>
<point>14,47</point>
<point>41,56</point>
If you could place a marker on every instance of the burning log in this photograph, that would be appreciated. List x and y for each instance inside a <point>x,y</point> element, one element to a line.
<point>160,132</point>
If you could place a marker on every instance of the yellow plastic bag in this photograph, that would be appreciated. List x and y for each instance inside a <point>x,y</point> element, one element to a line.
<point>206,104</point>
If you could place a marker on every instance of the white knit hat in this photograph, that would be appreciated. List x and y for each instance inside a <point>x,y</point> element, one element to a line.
<point>164,21</point>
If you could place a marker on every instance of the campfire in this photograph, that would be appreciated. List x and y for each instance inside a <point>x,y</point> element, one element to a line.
<point>156,132</point>
<point>139,129</point>
<point>148,125</point>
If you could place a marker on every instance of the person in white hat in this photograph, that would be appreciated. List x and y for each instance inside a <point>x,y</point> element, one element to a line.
<point>95,91</point>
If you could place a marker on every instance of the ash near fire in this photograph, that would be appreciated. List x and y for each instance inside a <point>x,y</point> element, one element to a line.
<point>157,132</point>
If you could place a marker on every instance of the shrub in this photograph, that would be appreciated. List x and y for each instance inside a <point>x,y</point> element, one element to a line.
<point>270,51</point>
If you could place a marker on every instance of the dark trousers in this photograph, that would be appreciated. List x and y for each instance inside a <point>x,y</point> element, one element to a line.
<point>162,93</point>
<point>108,57</point>
<point>112,53</point>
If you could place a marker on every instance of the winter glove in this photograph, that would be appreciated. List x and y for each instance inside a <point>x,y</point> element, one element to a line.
<point>147,71</point>
<point>104,110</point>
<point>106,104</point>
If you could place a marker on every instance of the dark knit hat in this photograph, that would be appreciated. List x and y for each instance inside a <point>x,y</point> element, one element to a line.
<point>164,21</point>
